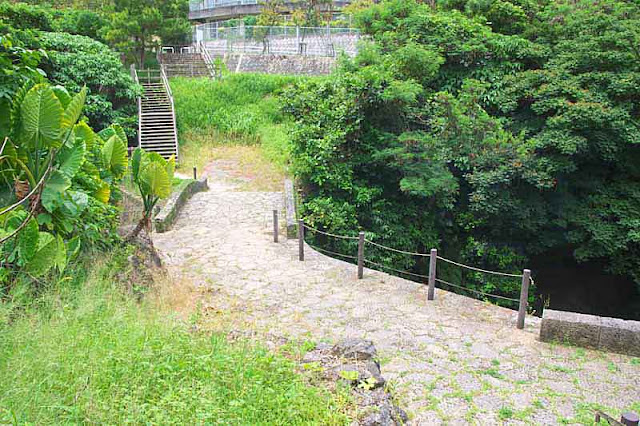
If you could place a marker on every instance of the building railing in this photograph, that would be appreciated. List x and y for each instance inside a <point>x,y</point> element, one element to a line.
<point>197,6</point>
<point>278,40</point>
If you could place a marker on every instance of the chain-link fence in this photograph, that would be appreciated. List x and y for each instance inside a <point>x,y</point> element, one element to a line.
<point>278,40</point>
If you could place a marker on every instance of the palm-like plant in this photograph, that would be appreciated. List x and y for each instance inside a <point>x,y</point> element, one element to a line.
<point>153,175</point>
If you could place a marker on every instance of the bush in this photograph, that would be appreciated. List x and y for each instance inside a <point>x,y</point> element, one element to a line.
<point>23,16</point>
<point>74,61</point>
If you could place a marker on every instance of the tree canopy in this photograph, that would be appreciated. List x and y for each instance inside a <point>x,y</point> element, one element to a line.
<point>495,131</point>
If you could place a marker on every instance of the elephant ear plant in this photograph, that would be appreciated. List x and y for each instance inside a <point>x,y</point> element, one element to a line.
<point>53,167</point>
<point>153,175</point>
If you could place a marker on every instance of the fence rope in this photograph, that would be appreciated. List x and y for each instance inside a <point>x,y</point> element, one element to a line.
<point>438,280</point>
<point>395,270</point>
<point>343,237</point>
<point>478,269</point>
<point>396,250</point>
<point>321,250</point>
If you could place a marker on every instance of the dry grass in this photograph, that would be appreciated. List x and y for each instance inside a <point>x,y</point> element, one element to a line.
<point>251,167</point>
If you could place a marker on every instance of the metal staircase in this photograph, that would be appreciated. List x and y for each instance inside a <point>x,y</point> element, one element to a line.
<point>156,113</point>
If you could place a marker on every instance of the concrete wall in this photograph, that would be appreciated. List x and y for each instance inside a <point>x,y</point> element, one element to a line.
<point>280,64</point>
<point>590,331</point>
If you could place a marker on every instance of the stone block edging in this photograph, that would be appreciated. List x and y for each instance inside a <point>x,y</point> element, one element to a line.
<point>290,209</point>
<point>591,331</point>
<point>164,220</point>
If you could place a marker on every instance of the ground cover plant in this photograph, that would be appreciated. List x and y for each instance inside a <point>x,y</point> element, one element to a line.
<point>85,351</point>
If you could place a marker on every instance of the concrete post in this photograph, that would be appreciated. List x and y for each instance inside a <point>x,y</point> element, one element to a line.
<point>361,255</point>
<point>275,226</point>
<point>433,258</point>
<point>301,240</point>
<point>524,298</point>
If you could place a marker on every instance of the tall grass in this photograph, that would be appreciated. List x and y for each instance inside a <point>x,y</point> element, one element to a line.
<point>240,109</point>
<point>86,352</point>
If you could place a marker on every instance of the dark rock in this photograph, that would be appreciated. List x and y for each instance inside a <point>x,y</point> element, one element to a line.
<point>368,374</point>
<point>355,349</point>
<point>385,412</point>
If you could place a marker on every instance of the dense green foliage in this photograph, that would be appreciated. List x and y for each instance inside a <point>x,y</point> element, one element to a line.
<point>86,352</point>
<point>494,131</point>
<point>131,27</point>
<point>73,61</point>
<point>136,27</point>
<point>58,177</point>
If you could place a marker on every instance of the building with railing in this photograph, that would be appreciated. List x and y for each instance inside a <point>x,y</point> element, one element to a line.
<point>277,40</point>
<point>222,10</point>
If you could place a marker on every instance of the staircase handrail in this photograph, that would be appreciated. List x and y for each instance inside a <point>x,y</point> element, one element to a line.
<point>134,75</point>
<point>167,86</point>
<point>208,60</point>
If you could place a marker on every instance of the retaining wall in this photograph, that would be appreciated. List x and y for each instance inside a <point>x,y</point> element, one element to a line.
<point>167,216</point>
<point>591,331</point>
<point>280,64</point>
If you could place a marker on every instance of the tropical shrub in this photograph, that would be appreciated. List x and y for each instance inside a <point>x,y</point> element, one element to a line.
<point>57,175</point>
<point>153,175</point>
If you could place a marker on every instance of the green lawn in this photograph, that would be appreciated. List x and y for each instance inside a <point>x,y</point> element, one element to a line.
<point>241,109</point>
<point>86,352</point>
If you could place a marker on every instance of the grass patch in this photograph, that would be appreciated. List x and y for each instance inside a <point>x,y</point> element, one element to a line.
<point>505,413</point>
<point>241,109</point>
<point>85,352</point>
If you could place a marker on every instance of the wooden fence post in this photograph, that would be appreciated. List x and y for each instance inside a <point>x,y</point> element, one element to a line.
<point>433,258</point>
<point>524,298</point>
<point>630,419</point>
<point>301,240</point>
<point>275,226</point>
<point>361,255</point>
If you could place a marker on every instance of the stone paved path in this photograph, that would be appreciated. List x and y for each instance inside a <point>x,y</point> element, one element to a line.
<point>451,361</point>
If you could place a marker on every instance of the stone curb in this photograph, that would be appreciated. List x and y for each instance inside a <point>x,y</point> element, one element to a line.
<point>167,216</point>
<point>590,331</point>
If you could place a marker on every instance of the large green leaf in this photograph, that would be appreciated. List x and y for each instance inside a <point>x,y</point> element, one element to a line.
<point>74,109</point>
<point>103,193</point>
<point>45,257</point>
<point>28,240</point>
<point>62,94</point>
<point>171,167</point>
<point>53,190</point>
<point>136,161</point>
<point>71,159</point>
<point>61,254</point>
<point>41,114</point>
<point>84,132</point>
<point>156,180</point>
<point>114,155</point>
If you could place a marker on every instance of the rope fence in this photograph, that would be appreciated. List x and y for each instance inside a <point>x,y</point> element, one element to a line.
<point>431,278</point>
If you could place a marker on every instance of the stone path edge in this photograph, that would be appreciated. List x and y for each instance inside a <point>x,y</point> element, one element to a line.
<point>167,216</point>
